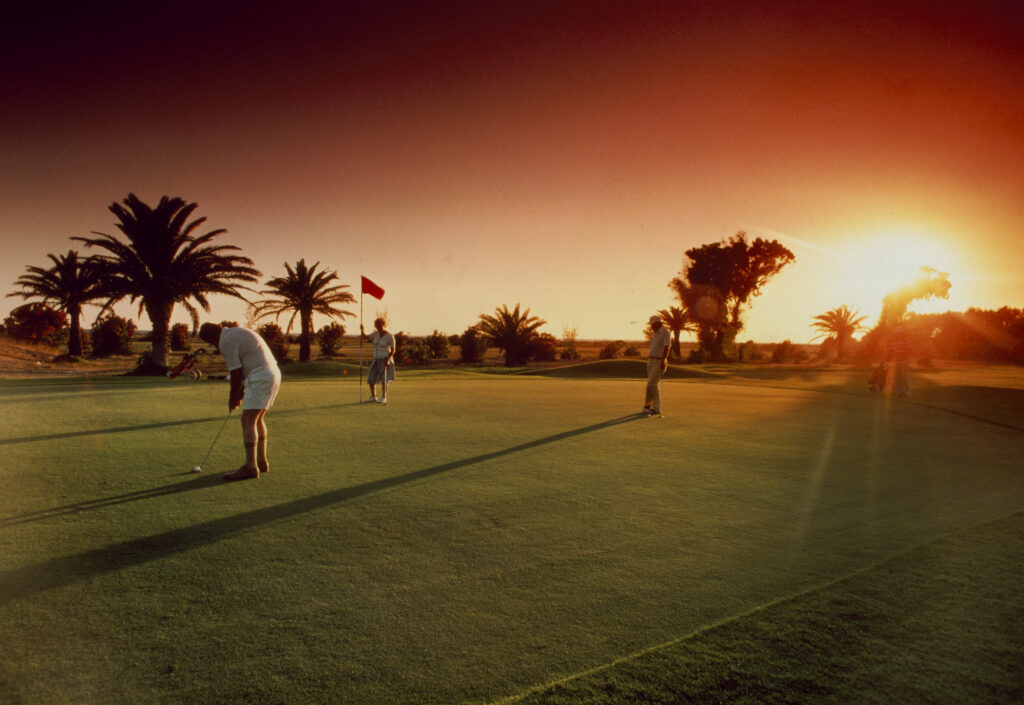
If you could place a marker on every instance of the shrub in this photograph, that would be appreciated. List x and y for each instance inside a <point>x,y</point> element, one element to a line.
<point>787,352</point>
<point>631,351</point>
<point>569,349</point>
<point>544,347</point>
<point>472,345</point>
<point>276,340</point>
<point>330,338</point>
<point>437,344</point>
<point>698,356</point>
<point>229,324</point>
<point>415,352</point>
<point>112,335</point>
<point>749,352</point>
<point>180,337</point>
<point>37,323</point>
<point>611,350</point>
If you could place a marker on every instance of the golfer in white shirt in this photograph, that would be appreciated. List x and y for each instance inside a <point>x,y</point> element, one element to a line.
<point>657,364</point>
<point>255,380</point>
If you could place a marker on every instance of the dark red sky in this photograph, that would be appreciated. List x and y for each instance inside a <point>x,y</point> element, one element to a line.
<point>562,154</point>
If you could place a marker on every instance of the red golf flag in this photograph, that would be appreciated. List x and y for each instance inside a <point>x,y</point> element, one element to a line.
<point>372,289</point>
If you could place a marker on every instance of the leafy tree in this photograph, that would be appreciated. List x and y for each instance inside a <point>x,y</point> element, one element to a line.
<point>163,263</point>
<point>437,343</point>
<point>840,323</point>
<point>677,320</point>
<point>719,279</point>
<point>472,345</point>
<point>330,337</point>
<point>179,337</point>
<point>36,323</point>
<point>112,335</point>
<point>512,332</point>
<point>303,291</point>
<point>275,339</point>
<point>544,347</point>
<point>68,285</point>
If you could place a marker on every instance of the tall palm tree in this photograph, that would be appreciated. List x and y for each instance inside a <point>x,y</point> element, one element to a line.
<point>841,322</point>
<point>303,291</point>
<point>677,320</point>
<point>163,263</point>
<point>69,284</point>
<point>512,332</point>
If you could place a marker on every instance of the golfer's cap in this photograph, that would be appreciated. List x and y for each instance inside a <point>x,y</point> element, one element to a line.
<point>654,319</point>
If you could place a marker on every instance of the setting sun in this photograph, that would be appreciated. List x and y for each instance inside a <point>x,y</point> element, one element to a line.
<point>882,263</point>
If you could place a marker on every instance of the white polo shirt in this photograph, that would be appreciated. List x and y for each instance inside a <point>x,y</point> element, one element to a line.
<point>242,348</point>
<point>659,341</point>
<point>383,345</point>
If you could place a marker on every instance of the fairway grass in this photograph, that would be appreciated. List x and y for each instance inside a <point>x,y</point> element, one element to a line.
<point>486,538</point>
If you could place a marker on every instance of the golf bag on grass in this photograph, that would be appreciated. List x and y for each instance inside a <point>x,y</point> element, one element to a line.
<point>878,377</point>
<point>187,365</point>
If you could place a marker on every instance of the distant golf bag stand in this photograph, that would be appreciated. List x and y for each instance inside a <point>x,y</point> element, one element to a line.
<point>187,366</point>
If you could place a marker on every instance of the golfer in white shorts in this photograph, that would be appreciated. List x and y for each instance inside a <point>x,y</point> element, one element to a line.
<point>255,379</point>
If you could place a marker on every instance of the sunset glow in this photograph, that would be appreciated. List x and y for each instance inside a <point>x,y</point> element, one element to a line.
<point>559,155</point>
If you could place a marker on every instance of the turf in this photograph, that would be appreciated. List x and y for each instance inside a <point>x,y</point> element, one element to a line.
<point>485,535</point>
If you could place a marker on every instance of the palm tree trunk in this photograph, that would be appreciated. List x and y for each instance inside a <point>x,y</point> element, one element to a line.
<point>160,316</point>
<point>75,332</point>
<point>305,323</point>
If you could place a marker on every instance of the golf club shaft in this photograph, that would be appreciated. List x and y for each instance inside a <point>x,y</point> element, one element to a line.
<point>215,438</point>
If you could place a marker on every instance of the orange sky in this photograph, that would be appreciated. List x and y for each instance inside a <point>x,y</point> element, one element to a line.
<point>559,154</point>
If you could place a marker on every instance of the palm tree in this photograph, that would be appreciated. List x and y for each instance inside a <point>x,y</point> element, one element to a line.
<point>163,264</point>
<point>677,320</point>
<point>841,322</point>
<point>69,284</point>
<point>512,332</point>
<point>304,291</point>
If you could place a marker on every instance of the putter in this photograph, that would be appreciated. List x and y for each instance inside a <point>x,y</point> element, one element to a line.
<point>199,468</point>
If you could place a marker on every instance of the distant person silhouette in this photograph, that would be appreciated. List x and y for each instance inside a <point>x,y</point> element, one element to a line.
<point>899,353</point>
<point>657,364</point>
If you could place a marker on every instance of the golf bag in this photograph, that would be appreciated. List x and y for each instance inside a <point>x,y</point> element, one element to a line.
<point>187,366</point>
<point>878,377</point>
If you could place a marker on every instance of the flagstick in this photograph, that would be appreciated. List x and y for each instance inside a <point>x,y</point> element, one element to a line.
<point>360,346</point>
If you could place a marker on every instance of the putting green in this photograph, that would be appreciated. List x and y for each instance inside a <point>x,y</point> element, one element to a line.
<point>475,538</point>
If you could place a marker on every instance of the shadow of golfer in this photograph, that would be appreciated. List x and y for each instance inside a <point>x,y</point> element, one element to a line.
<point>104,431</point>
<point>28,580</point>
<point>200,482</point>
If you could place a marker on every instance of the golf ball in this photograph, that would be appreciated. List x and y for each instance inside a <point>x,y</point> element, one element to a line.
<point>197,469</point>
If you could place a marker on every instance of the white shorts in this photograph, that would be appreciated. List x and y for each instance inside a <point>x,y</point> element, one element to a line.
<point>261,389</point>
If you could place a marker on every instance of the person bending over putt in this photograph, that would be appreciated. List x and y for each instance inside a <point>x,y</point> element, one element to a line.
<point>255,380</point>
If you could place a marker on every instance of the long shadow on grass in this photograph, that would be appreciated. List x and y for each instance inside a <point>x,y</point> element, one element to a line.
<point>101,431</point>
<point>150,426</point>
<point>93,504</point>
<point>29,580</point>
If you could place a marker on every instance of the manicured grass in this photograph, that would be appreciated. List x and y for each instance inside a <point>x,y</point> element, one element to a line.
<point>485,535</point>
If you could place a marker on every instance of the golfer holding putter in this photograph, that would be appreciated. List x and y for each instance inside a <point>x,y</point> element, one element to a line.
<point>657,363</point>
<point>382,369</point>
<point>255,379</point>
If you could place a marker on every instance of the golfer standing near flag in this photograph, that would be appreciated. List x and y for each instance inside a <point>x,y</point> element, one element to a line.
<point>255,380</point>
<point>382,369</point>
<point>657,363</point>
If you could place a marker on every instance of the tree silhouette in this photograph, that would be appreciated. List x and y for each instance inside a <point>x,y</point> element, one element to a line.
<point>720,279</point>
<point>842,323</point>
<point>677,320</point>
<point>163,264</point>
<point>511,331</point>
<point>931,282</point>
<point>303,291</point>
<point>68,285</point>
